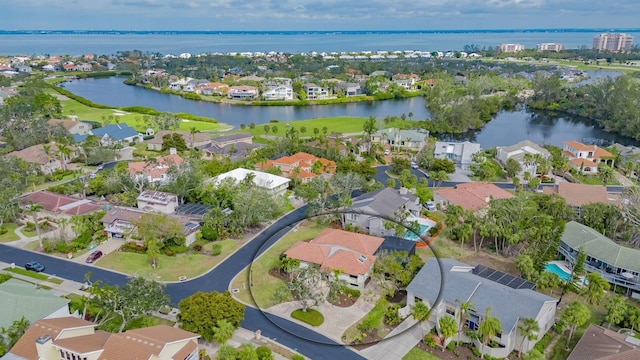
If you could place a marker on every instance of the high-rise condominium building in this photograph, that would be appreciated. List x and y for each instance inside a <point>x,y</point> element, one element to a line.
<point>550,47</point>
<point>511,47</point>
<point>613,42</point>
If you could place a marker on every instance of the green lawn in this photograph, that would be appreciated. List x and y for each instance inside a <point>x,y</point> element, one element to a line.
<point>263,284</point>
<point>33,274</point>
<point>341,124</point>
<point>419,354</point>
<point>10,235</point>
<point>311,316</point>
<point>170,268</point>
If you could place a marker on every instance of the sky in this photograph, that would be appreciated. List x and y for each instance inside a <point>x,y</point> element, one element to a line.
<point>316,14</point>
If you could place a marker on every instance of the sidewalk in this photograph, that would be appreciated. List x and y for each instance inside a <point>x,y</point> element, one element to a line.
<point>399,342</point>
<point>65,288</point>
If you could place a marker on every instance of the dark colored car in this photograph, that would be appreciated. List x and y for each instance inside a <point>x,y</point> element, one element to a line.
<point>94,256</point>
<point>34,265</point>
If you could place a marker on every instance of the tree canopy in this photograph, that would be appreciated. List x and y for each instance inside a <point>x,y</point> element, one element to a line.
<point>201,312</point>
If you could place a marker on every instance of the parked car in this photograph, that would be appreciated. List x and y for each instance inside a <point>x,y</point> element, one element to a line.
<point>34,266</point>
<point>94,256</point>
<point>387,152</point>
<point>414,165</point>
<point>430,206</point>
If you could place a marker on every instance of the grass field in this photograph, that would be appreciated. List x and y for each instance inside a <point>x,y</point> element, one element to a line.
<point>419,354</point>
<point>311,316</point>
<point>341,124</point>
<point>263,284</point>
<point>170,268</point>
<point>11,234</point>
<point>33,274</point>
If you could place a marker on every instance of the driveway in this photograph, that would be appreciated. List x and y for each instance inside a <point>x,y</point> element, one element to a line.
<point>106,247</point>
<point>399,342</point>
<point>460,175</point>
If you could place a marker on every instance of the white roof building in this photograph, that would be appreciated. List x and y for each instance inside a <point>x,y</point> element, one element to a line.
<point>277,185</point>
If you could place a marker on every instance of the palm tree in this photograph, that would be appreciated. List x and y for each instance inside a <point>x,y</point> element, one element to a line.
<point>47,150</point>
<point>223,331</point>
<point>65,153</point>
<point>448,328</point>
<point>616,310</point>
<point>420,313</point>
<point>596,288</point>
<point>529,329</point>
<point>465,308</point>
<point>33,210</point>
<point>516,183</point>
<point>575,314</point>
<point>193,132</point>
<point>489,327</point>
<point>153,251</point>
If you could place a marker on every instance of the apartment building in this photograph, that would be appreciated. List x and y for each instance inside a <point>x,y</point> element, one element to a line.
<point>510,47</point>
<point>550,47</point>
<point>613,42</point>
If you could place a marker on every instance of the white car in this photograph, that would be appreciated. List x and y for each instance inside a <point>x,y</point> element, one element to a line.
<point>430,206</point>
<point>414,165</point>
<point>387,152</point>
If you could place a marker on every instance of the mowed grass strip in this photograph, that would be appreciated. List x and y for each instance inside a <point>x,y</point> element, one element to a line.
<point>33,274</point>
<point>170,268</point>
<point>10,235</point>
<point>311,316</point>
<point>341,124</point>
<point>263,285</point>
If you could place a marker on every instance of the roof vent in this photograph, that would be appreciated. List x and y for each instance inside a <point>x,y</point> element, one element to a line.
<point>362,259</point>
<point>43,339</point>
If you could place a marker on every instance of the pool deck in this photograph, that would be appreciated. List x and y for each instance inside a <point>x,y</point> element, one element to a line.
<point>563,265</point>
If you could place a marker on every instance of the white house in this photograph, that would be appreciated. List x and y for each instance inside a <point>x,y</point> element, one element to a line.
<point>282,92</point>
<point>276,185</point>
<point>520,152</point>
<point>151,200</point>
<point>443,284</point>
<point>459,153</point>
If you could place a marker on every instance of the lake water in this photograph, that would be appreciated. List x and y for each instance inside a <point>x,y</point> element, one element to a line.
<point>167,42</point>
<point>505,129</point>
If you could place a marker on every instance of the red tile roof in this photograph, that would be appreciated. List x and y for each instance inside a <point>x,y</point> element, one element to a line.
<point>26,346</point>
<point>598,152</point>
<point>474,195</point>
<point>60,203</point>
<point>155,169</point>
<point>579,194</point>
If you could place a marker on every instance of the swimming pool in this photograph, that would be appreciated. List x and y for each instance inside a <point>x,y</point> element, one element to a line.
<point>410,235</point>
<point>558,271</point>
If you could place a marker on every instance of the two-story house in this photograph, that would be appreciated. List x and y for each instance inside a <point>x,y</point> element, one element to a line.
<point>460,153</point>
<point>158,201</point>
<point>524,153</point>
<point>154,171</point>
<point>315,92</point>
<point>243,92</point>
<point>586,158</point>
<point>398,139</point>
<point>302,165</point>
<point>280,92</point>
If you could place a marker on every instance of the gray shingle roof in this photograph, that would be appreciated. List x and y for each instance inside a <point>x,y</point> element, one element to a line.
<point>411,135</point>
<point>383,202</point>
<point>116,132</point>
<point>601,247</point>
<point>459,284</point>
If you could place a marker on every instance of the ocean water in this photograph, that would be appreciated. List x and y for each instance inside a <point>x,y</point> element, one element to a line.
<point>70,42</point>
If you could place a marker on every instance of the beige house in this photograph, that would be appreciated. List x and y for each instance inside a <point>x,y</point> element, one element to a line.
<point>72,126</point>
<point>586,158</point>
<point>192,140</point>
<point>157,201</point>
<point>73,338</point>
<point>49,161</point>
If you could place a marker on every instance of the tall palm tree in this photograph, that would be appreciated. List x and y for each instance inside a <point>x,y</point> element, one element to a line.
<point>596,287</point>
<point>464,309</point>
<point>448,328</point>
<point>64,151</point>
<point>47,151</point>
<point>528,329</point>
<point>193,132</point>
<point>223,331</point>
<point>33,210</point>
<point>488,328</point>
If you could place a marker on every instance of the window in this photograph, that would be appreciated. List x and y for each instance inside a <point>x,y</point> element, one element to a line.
<point>352,217</point>
<point>451,311</point>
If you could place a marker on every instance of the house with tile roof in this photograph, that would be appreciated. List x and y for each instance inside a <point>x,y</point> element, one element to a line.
<point>472,196</point>
<point>617,264</point>
<point>586,158</point>
<point>60,205</point>
<point>73,338</point>
<point>49,161</point>
<point>521,152</point>
<point>369,211</point>
<point>274,184</point>
<point>400,139</point>
<point>21,298</point>
<point>117,133</point>
<point>600,343</point>
<point>578,195</point>
<point>155,171</point>
<point>300,165</point>
<point>443,284</point>
<point>192,140</point>
<point>335,249</point>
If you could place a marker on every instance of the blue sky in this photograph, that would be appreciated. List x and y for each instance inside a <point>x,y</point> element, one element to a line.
<point>317,14</point>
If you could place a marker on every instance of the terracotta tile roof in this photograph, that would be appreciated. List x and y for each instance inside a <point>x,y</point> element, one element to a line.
<point>474,195</point>
<point>60,203</point>
<point>154,169</point>
<point>143,343</point>
<point>598,152</point>
<point>186,135</point>
<point>26,346</point>
<point>187,349</point>
<point>163,333</point>
<point>336,249</point>
<point>302,157</point>
<point>84,344</point>
<point>578,162</point>
<point>579,194</point>
<point>599,343</point>
<point>67,124</point>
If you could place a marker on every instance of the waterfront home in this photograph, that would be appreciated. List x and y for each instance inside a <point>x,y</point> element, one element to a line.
<point>369,211</point>
<point>586,158</point>
<point>214,88</point>
<point>600,343</point>
<point>579,195</point>
<point>59,205</point>
<point>302,165</point>
<point>398,139</point>
<point>333,249</point>
<point>154,171</point>
<point>116,133</point>
<point>617,264</point>
<point>459,153</point>
<point>524,153</point>
<point>281,92</point>
<point>315,92</point>
<point>234,146</point>
<point>157,201</point>
<point>277,81</point>
<point>192,140</point>
<point>49,159</point>
<point>444,284</point>
<point>274,184</point>
<point>472,196</point>
<point>74,338</point>
<point>407,81</point>
<point>243,92</point>
<point>28,300</point>
<point>72,126</point>
<point>350,89</point>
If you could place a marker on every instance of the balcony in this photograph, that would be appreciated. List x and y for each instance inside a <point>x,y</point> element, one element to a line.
<point>611,276</point>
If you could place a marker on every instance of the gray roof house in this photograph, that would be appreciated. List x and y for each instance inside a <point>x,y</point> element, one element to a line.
<point>617,264</point>
<point>414,139</point>
<point>116,133</point>
<point>518,152</point>
<point>458,152</point>
<point>443,284</point>
<point>368,210</point>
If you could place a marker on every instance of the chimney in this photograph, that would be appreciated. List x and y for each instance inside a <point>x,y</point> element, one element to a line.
<point>487,198</point>
<point>173,151</point>
<point>403,191</point>
<point>43,339</point>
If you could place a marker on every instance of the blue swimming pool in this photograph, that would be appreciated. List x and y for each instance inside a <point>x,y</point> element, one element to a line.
<point>558,271</point>
<point>410,235</point>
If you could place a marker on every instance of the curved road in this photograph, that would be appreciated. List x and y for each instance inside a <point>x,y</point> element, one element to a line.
<point>307,342</point>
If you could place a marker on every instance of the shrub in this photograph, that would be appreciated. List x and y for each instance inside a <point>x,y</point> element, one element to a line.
<point>216,249</point>
<point>475,351</point>
<point>131,246</point>
<point>311,316</point>
<point>197,247</point>
<point>3,230</point>
<point>178,249</point>
<point>4,277</point>
<point>168,252</point>
<point>297,357</point>
<point>451,345</point>
<point>62,247</point>
<point>264,353</point>
<point>542,344</point>
<point>392,316</point>
<point>48,246</point>
<point>430,341</point>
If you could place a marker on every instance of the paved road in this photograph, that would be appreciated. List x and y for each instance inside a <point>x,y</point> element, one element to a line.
<point>306,341</point>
